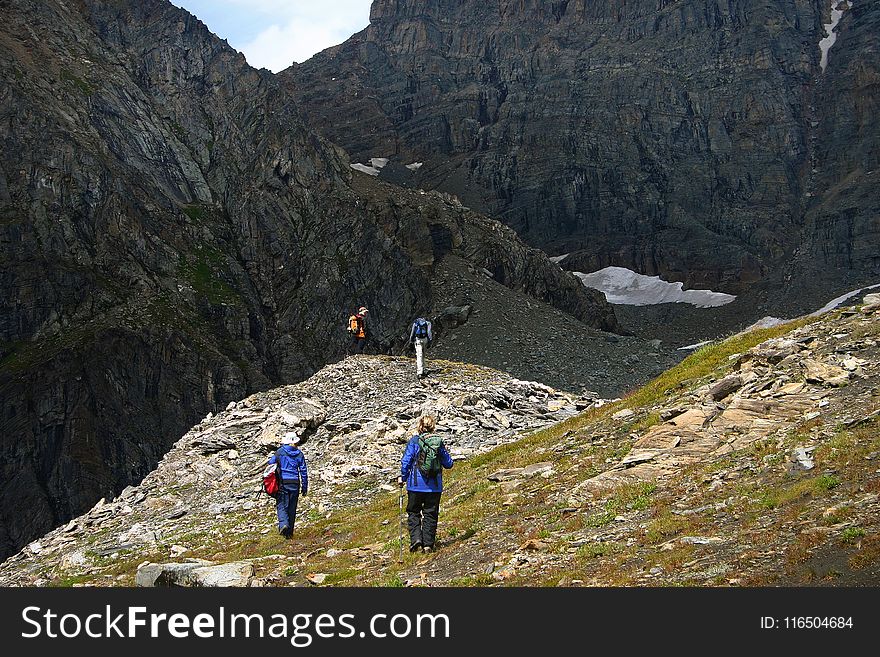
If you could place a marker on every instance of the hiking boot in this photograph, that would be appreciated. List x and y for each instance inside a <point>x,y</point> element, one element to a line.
<point>428,549</point>
<point>415,547</point>
<point>285,531</point>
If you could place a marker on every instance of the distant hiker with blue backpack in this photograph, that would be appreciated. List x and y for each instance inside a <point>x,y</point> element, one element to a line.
<point>422,469</point>
<point>293,480</point>
<point>420,334</point>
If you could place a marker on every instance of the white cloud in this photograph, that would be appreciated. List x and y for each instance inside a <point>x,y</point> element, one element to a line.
<point>273,34</point>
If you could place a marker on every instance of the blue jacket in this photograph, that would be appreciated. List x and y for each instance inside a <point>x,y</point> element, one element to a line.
<point>409,469</point>
<point>293,466</point>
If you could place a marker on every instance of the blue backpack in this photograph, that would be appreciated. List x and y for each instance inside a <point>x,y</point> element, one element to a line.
<point>421,328</point>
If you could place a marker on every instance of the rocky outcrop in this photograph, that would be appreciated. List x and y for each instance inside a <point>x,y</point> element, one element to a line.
<point>172,238</point>
<point>688,139</point>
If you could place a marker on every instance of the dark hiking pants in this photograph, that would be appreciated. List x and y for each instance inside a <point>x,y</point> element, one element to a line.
<point>422,510</point>
<point>285,505</point>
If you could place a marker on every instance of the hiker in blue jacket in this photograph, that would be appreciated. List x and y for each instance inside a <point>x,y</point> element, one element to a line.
<point>423,491</point>
<point>421,335</point>
<point>294,480</point>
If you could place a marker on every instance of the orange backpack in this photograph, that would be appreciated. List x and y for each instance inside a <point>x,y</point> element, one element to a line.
<point>353,325</point>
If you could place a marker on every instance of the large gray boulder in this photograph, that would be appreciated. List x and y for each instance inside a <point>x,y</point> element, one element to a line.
<point>195,573</point>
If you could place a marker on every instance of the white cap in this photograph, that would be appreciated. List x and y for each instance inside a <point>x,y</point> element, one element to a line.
<point>290,438</point>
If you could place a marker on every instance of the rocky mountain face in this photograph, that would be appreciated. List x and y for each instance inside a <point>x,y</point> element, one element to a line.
<point>173,237</point>
<point>697,140</point>
<point>752,463</point>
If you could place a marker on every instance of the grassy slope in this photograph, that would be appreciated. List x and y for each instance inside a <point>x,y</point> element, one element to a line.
<point>482,521</point>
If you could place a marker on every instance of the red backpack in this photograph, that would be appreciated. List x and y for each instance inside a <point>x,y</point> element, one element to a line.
<point>272,477</point>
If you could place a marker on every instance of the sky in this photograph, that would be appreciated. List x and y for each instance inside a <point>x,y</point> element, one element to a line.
<point>273,34</point>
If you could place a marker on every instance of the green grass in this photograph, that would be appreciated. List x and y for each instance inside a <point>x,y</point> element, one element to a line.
<point>195,211</point>
<point>340,576</point>
<point>852,534</point>
<point>71,580</point>
<point>665,526</point>
<point>393,581</point>
<point>645,423</point>
<point>82,85</point>
<point>786,493</point>
<point>203,272</point>
<point>599,549</point>
<point>472,580</point>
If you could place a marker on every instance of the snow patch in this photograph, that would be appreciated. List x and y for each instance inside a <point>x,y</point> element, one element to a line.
<point>365,169</point>
<point>834,303</point>
<point>837,10</point>
<point>378,162</point>
<point>559,258</point>
<point>414,166</point>
<point>694,347</point>
<point>765,323</point>
<point>624,286</point>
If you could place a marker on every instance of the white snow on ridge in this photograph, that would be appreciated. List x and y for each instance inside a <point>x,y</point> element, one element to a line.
<point>378,162</point>
<point>765,322</point>
<point>559,258</point>
<point>838,7</point>
<point>365,169</point>
<point>414,166</point>
<point>623,286</point>
<point>694,347</point>
<point>831,305</point>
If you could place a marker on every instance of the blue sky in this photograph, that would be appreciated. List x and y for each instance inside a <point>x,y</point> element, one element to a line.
<point>274,33</point>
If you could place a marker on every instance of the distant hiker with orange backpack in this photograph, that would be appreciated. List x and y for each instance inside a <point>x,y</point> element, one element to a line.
<point>293,480</point>
<point>357,328</point>
<point>420,334</point>
<point>422,469</point>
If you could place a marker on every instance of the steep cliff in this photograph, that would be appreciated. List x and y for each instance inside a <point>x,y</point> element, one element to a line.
<point>695,139</point>
<point>173,237</point>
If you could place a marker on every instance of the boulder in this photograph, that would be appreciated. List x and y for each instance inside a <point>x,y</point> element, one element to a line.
<point>725,387</point>
<point>816,371</point>
<point>195,573</point>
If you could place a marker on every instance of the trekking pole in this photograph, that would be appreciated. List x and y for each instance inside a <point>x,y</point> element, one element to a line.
<point>400,526</point>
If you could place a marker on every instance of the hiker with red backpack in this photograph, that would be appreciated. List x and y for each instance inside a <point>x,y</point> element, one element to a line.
<point>422,469</point>
<point>293,480</point>
<point>357,328</point>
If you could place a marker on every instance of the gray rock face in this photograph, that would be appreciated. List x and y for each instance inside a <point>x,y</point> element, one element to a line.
<point>172,237</point>
<point>691,139</point>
